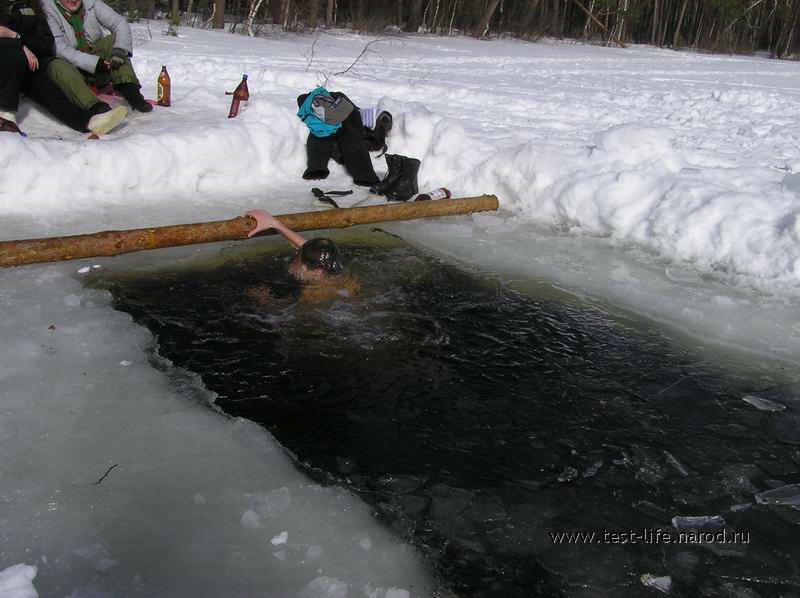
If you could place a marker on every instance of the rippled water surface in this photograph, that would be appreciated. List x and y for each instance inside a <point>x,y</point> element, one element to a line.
<point>479,420</point>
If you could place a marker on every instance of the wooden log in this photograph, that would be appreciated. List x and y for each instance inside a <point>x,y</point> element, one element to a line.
<point>117,242</point>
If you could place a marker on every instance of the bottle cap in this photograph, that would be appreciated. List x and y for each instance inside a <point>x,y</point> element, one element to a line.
<point>244,77</point>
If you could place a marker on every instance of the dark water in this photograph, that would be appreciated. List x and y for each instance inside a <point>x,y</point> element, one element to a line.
<point>477,421</point>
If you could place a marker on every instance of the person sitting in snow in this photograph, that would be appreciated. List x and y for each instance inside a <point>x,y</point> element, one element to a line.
<point>317,265</point>
<point>26,48</point>
<point>87,55</point>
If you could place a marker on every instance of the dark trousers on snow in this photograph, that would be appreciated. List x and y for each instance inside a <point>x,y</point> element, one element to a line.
<point>347,146</point>
<point>15,77</point>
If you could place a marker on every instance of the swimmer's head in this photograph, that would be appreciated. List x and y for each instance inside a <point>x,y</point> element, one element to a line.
<point>317,259</point>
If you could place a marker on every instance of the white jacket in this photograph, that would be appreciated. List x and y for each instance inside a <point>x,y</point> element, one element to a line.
<point>98,16</point>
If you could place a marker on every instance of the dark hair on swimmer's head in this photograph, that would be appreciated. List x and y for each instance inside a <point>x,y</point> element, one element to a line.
<point>322,254</point>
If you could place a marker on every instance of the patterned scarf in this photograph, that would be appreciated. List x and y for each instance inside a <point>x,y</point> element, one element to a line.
<point>75,19</point>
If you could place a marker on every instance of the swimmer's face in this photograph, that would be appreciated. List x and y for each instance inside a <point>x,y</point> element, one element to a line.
<point>304,273</point>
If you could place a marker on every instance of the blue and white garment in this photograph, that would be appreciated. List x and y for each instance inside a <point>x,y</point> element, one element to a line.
<point>306,113</point>
<point>368,116</point>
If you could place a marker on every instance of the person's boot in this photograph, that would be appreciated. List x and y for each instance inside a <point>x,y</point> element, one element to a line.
<point>383,125</point>
<point>9,126</point>
<point>102,123</point>
<point>406,186</point>
<point>394,164</point>
<point>133,95</point>
<point>376,136</point>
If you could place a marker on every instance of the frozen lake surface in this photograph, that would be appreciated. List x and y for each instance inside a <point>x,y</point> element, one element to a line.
<point>661,183</point>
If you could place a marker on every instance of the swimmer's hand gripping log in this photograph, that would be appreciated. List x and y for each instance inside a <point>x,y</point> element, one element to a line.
<point>117,242</point>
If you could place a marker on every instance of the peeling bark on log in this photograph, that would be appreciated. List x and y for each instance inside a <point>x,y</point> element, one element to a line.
<point>114,242</point>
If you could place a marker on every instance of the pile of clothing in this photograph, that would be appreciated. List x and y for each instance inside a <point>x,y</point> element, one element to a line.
<point>340,130</point>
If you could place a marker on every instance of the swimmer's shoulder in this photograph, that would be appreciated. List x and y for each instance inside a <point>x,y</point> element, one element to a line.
<point>346,287</point>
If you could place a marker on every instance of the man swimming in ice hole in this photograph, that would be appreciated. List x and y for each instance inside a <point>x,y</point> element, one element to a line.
<point>317,265</point>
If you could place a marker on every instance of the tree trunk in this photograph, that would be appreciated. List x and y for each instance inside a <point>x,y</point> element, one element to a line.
<point>108,243</point>
<point>252,10</point>
<point>611,36</point>
<point>587,26</point>
<point>219,15</point>
<point>313,13</point>
<point>554,25</point>
<point>329,15</point>
<point>679,25</point>
<point>483,26</point>
<point>655,22</point>
<point>415,17</point>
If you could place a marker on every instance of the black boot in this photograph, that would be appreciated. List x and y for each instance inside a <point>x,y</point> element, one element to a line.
<point>406,187</point>
<point>394,164</point>
<point>376,137</point>
<point>133,95</point>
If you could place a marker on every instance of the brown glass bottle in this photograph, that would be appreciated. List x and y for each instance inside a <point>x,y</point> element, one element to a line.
<point>440,193</point>
<point>163,88</point>
<point>240,94</point>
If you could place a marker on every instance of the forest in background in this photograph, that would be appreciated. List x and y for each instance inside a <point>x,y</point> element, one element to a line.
<point>730,26</point>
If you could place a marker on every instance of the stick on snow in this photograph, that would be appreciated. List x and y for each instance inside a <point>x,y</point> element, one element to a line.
<point>117,242</point>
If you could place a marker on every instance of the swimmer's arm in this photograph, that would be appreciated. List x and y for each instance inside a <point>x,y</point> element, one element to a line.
<point>265,221</point>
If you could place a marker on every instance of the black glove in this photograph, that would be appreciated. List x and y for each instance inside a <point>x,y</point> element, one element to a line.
<point>102,74</point>
<point>118,57</point>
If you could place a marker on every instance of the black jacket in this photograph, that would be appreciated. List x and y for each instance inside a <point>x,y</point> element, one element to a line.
<point>32,27</point>
<point>347,146</point>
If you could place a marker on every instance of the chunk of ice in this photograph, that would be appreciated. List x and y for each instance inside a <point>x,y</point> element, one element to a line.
<point>662,584</point>
<point>698,522</point>
<point>677,465</point>
<point>763,404</point>
<point>250,519</point>
<point>313,552</point>
<point>72,300</point>
<point>324,587</point>
<point>786,496</point>
<point>275,502</point>
<point>592,469</point>
<point>281,538</point>
<point>568,475</point>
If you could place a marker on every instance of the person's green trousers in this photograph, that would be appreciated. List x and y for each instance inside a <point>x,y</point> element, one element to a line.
<point>74,82</point>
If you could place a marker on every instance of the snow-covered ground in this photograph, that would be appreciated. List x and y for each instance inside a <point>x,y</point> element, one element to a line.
<point>656,181</point>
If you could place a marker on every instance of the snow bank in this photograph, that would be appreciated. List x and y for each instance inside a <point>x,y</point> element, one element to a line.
<point>640,147</point>
<point>15,582</point>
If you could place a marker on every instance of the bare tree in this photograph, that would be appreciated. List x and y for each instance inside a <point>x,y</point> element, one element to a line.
<point>414,17</point>
<point>218,15</point>
<point>329,15</point>
<point>252,10</point>
<point>313,13</point>
<point>483,26</point>
<point>677,36</point>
